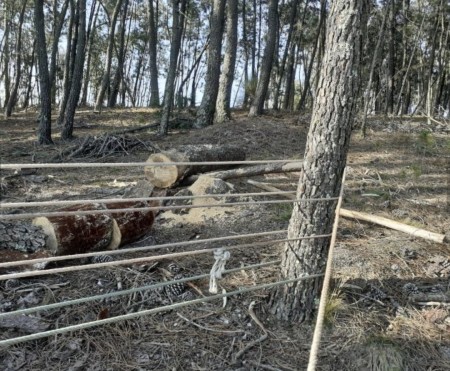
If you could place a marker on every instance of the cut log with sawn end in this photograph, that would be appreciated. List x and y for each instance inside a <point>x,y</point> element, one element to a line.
<point>167,176</point>
<point>76,234</point>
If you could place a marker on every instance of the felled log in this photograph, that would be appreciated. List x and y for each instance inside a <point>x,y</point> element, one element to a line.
<point>75,234</point>
<point>249,171</point>
<point>7,256</point>
<point>167,176</point>
<point>132,224</point>
<point>385,222</point>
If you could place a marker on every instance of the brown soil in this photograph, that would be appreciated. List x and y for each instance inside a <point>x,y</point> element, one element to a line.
<point>400,171</point>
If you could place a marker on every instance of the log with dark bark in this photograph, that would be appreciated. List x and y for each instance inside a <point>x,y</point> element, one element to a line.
<point>75,234</point>
<point>167,176</point>
<point>248,171</point>
<point>133,224</point>
<point>21,236</point>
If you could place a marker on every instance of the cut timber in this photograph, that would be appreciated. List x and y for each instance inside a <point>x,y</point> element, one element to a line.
<point>75,234</point>
<point>167,176</point>
<point>385,222</point>
<point>249,171</point>
<point>133,224</point>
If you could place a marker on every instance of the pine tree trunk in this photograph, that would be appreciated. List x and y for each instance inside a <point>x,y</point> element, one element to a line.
<point>68,62</point>
<point>118,75</point>
<point>109,55</point>
<point>77,78</point>
<point>13,97</point>
<point>281,72</point>
<point>153,43</point>
<point>45,116</point>
<point>229,63</point>
<point>323,165</point>
<point>302,102</point>
<point>91,31</point>
<point>205,114</point>
<point>266,67</point>
<point>30,78</point>
<point>6,52</point>
<point>58,25</point>
<point>178,9</point>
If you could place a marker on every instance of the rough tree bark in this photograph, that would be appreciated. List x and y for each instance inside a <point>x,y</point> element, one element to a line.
<point>266,67</point>
<point>205,115</point>
<point>77,78</point>
<point>153,43</point>
<point>323,165</point>
<point>229,64</point>
<point>178,10</point>
<point>45,116</point>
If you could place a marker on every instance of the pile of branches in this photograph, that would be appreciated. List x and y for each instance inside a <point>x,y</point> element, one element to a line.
<point>103,146</point>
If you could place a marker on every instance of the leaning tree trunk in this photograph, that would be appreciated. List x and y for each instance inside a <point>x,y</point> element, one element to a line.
<point>229,62</point>
<point>205,115</point>
<point>323,165</point>
<point>45,116</point>
<point>77,78</point>
<point>266,68</point>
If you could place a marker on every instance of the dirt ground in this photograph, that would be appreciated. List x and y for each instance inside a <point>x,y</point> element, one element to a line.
<point>400,171</point>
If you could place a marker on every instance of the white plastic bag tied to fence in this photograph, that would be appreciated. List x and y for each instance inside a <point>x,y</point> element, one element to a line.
<point>221,257</point>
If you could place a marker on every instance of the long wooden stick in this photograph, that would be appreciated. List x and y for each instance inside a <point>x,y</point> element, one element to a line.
<point>385,222</point>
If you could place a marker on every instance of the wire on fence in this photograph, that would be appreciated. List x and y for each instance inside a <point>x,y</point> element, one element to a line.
<point>138,249</point>
<point>128,316</point>
<point>141,199</point>
<point>129,291</point>
<point>137,164</point>
<point>150,208</point>
<point>144,259</point>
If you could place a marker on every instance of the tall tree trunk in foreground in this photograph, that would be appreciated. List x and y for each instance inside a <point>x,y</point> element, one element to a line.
<point>266,67</point>
<point>153,47</point>
<point>77,78</point>
<point>6,52</point>
<point>45,116</point>
<point>205,115</point>
<point>178,12</point>
<point>323,165</point>
<point>229,63</point>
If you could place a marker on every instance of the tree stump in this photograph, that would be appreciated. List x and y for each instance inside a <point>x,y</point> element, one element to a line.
<point>167,176</point>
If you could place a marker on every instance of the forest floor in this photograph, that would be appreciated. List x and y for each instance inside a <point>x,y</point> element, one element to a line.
<point>400,171</point>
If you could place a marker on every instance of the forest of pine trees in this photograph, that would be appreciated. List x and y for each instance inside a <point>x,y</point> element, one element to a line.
<point>58,55</point>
